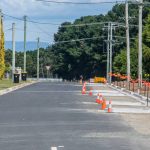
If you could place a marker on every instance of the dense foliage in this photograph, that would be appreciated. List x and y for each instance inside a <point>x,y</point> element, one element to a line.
<point>120,59</point>
<point>81,50</point>
<point>45,59</point>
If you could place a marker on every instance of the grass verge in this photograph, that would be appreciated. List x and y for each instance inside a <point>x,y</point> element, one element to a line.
<point>7,83</point>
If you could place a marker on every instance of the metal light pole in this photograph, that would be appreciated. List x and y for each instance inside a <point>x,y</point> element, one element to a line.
<point>25,31</point>
<point>38,41</point>
<point>13,50</point>
<point>127,40</point>
<point>140,44</point>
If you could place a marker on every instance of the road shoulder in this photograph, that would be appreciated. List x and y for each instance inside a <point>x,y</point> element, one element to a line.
<point>140,122</point>
<point>7,90</point>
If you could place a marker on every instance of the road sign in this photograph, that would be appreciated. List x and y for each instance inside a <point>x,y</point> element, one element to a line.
<point>48,67</point>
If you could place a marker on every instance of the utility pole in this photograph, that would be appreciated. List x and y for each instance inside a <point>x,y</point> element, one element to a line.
<point>111,25</point>
<point>25,31</point>
<point>108,52</point>
<point>38,41</point>
<point>13,50</point>
<point>127,40</point>
<point>140,44</point>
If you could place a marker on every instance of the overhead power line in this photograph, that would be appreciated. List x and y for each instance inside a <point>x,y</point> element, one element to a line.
<point>21,19</point>
<point>31,31</point>
<point>71,25</point>
<point>77,40</point>
<point>48,23</point>
<point>84,39</point>
<point>92,3</point>
<point>80,3</point>
<point>65,26</point>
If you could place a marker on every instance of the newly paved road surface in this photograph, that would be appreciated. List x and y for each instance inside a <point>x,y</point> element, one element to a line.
<point>46,115</point>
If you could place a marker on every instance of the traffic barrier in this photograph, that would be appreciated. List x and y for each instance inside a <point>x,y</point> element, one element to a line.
<point>99,80</point>
<point>91,93</point>
<point>109,107</point>
<point>103,107</point>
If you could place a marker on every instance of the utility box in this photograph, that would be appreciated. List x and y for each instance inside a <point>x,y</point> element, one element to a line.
<point>16,77</point>
<point>24,76</point>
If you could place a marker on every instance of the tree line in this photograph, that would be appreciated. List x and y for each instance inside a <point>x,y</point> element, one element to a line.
<point>81,50</point>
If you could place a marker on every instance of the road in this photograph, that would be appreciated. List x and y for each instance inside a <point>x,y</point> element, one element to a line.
<point>46,115</point>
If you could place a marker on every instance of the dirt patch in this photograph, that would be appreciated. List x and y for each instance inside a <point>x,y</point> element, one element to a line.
<point>140,122</point>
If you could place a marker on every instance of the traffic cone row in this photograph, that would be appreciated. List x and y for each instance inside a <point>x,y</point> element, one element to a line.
<point>84,90</point>
<point>102,101</point>
<point>99,100</point>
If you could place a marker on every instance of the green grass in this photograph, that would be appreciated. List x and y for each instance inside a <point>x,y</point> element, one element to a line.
<point>6,83</point>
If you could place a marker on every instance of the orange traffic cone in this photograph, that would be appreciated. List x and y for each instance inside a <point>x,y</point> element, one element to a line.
<point>98,98</point>
<point>109,107</point>
<point>90,93</point>
<point>84,88</point>
<point>103,105</point>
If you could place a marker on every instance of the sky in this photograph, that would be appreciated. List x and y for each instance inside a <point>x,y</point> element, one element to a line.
<point>45,12</point>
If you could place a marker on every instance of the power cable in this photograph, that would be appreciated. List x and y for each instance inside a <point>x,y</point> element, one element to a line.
<point>81,3</point>
<point>92,3</point>
<point>71,25</point>
<point>38,27</point>
<point>55,24</point>
<point>77,40</point>
<point>31,31</point>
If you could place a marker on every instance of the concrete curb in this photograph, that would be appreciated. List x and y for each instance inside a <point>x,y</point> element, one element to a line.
<point>8,90</point>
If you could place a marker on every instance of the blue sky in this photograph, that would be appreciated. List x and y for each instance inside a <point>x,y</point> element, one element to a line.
<point>45,12</point>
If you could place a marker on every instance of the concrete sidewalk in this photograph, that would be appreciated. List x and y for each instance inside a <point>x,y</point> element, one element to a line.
<point>122,102</point>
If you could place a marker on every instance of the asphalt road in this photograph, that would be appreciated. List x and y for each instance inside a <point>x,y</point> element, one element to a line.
<point>46,115</point>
